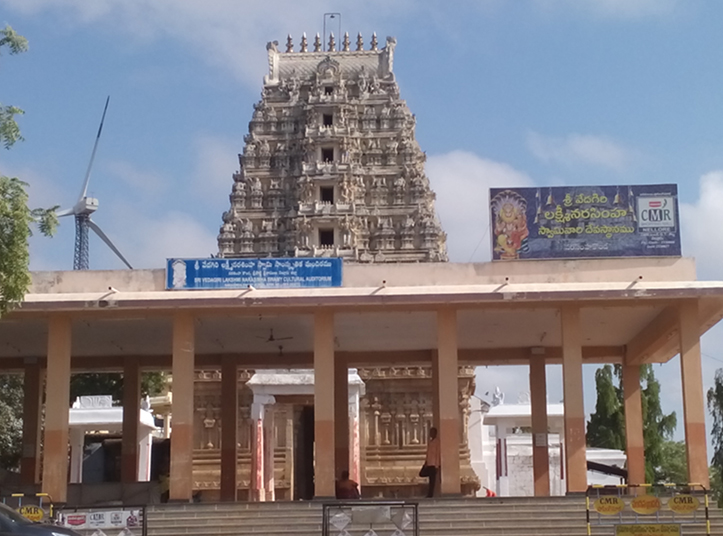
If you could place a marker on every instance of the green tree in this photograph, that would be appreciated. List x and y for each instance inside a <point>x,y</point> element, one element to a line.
<point>606,428</point>
<point>111,383</point>
<point>16,218</point>
<point>11,420</point>
<point>657,427</point>
<point>715,406</point>
<point>674,467</point>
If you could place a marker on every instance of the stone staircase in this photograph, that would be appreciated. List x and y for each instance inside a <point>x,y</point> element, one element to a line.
<point>513,516</point>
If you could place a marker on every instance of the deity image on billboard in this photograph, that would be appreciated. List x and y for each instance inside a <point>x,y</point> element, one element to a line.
<point>567,222</point>
<point>510,224</point>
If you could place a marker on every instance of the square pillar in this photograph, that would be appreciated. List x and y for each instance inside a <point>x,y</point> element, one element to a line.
<point>341,417</point>
<point>503,480</point>
<point>131,417</point>
<point>538,416</point>
<point>693,399</point>
<point>77,448</point>
<point>269,448</point>
<point>324,414</point>
<point>634,443</point>
<point>444,375</point>
<point>32,403</point>
<point>262,442</point>
<point>354,437</point>
<point>289,469</point>
<point>257,491</point>
<point>229,429</point>
<point>57,406</point>
<point>575,461</point>
<point>181,478</point>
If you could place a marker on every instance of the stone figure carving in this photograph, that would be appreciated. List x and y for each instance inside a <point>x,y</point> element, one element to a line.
<point>264,149</point>
<point>347,190</point>
<point>346,225</point>
<point>498,397</point>
<point>304,228</point>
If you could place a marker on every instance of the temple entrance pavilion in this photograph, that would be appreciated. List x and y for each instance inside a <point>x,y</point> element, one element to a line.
<point>627,311</point>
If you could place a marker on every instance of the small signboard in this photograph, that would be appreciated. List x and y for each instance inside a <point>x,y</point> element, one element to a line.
<point>563,222</point>
<point>102,519</point>
<point>205,274</point>
<point>657,529</point>
<point>32,512</point>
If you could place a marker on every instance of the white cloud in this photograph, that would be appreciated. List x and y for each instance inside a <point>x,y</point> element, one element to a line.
<point>216,161</point>
<point>700,224</point>
<point>219,32</point>
<point>581,149</point>
<point>141,181</point>
<point>614,9</point>
<point>148,241</point>
<point>461,181</point>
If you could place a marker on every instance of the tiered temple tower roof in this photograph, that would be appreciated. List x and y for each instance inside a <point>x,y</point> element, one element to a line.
<point>331,166</point>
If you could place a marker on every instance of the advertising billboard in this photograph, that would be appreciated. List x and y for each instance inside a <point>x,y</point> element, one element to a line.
<point>198,274</point>
<point>563,222</point>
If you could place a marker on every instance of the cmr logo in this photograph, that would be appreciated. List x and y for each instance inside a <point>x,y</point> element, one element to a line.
<point>656,212</point>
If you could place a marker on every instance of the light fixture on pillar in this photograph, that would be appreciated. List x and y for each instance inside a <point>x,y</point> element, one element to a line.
<point>103,301</point>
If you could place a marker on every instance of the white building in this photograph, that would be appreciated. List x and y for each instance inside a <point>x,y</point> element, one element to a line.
<point>501,448</point>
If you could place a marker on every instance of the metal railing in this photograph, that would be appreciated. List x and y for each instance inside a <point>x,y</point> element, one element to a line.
<point>352,518</point>
<point>633,509</point>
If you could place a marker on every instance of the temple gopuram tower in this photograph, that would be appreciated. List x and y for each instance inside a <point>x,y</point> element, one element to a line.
<point>330,166</point>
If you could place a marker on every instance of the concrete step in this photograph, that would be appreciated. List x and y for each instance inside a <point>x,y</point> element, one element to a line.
<point>555,516</point>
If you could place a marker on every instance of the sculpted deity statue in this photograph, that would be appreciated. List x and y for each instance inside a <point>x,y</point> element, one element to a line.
<point>306,189</point>
<point>347,190</point>
<point>255,185</point>
<point>247,228</point>
<point>363,82</point>
<point>250,148</point>
<point>346,224</point>
<point>303,227</point>
<point>264,149</point>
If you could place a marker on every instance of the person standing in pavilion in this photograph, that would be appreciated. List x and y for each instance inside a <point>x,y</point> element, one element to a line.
<point>432,461</point>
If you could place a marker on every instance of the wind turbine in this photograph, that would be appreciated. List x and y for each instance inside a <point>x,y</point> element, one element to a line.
<point>83,208</point>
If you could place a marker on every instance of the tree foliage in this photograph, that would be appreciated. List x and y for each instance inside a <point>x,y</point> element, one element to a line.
<point>715,406</point>
<point>11,420</point>
<point>606,428</point>
<point>9,130</point>
<point>16,218</point>
<point>110,383</point>
<point>658,428</point>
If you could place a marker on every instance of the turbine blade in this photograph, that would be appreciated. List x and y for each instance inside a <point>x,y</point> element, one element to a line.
<point>65,212</point>
<point>105,239</point>
<point>84,191</point>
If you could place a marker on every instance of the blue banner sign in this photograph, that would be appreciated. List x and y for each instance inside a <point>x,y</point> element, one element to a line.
<point>197,274</point>
<point>562,222</point>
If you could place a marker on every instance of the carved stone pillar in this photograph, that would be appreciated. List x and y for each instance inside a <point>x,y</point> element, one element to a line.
<point>258,410</point>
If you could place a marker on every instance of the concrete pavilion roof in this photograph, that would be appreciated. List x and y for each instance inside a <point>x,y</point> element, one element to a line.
<point>383,314</point>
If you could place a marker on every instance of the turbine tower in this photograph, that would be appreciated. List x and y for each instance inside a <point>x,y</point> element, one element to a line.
<point>82,210</point>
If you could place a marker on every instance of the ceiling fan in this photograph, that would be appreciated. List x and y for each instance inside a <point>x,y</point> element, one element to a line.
<point>271,337</point>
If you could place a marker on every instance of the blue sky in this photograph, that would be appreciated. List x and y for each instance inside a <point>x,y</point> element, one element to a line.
<point>506,92</point>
